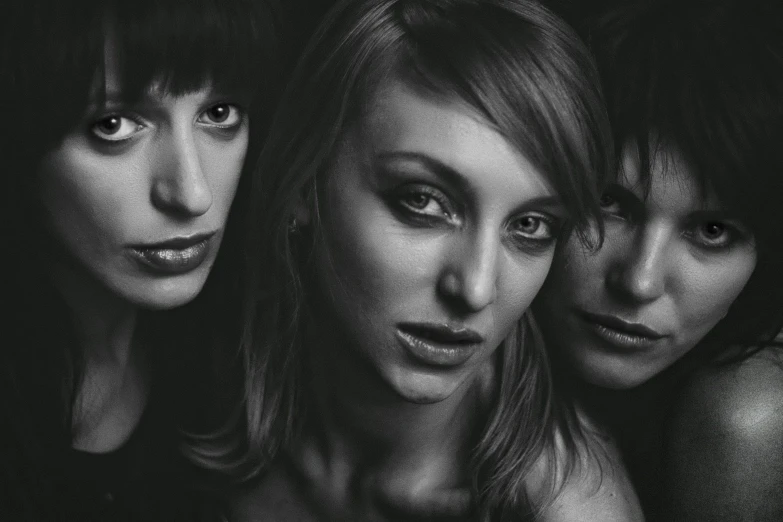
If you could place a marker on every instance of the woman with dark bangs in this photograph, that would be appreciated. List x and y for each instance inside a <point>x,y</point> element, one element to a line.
<point>669,326</point>
<point>424,161</point>
<point>127,127</point>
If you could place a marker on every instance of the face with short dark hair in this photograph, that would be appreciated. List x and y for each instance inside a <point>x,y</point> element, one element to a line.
<point>137,195</point>
<point>438,234</point>
<point>671,265</point>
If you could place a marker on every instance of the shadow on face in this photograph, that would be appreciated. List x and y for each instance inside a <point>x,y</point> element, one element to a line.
<point>438,234</point>
<point>672,263</point>
<point>138,193</point>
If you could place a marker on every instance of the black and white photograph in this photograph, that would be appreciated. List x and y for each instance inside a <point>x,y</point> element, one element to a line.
<point>391,261</point>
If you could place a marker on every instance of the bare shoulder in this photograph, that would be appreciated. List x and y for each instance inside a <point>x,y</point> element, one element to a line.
<point>723,449</point>
<point>272,498</point>
<point>743,401</point>
<point>597,490</point>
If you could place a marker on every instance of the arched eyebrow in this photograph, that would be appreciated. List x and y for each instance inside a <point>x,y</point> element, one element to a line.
<point>453,177</point>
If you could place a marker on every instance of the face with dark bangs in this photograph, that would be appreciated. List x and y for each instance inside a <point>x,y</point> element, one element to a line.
<point>671,265</point>
<point>438,234</point>
<point>137,194</point>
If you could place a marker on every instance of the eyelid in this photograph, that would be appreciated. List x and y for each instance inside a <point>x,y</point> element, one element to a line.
<point>438,195</point>
<point>233,107</point>
<point>122,114</point>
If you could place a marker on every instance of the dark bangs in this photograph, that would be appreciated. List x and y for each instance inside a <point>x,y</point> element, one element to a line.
<point>185,43</point>
<point>55,51</point>
<point>529,76</point>
<point>707,77</point>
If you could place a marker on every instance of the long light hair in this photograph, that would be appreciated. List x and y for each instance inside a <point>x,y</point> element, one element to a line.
<point>528,75</point>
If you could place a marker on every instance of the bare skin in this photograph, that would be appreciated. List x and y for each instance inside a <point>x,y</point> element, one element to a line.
<point>465,242</point>
<point>723,444</point>
<point>116,384</point>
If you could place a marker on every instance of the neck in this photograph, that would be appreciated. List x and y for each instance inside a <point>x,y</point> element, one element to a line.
<point>114,384</point>
<point>362,421</point>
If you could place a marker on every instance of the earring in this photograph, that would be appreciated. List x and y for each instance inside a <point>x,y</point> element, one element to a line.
<point>293,225</point>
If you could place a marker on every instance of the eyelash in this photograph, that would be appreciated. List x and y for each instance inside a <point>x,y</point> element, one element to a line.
<point>402,201</point>
<point>447,212</point>
<point>234,109</point>
<point>526,242</point>
<point>620,211</point>
<point>731,233</point>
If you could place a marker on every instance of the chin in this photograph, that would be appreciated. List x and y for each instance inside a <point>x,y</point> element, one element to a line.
<point>425,388</point>
<point>166,294</point>
<point>612,375</point>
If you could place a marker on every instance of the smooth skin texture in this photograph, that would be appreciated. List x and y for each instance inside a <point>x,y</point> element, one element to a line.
<point>672,261</point>
<point>433,217</point>
<point>142,173</point>
<point>161,168</point>
<point>723,457</point>
<point>430,215</point>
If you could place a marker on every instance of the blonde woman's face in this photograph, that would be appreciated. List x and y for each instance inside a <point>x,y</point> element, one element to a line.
<point>439,233</point>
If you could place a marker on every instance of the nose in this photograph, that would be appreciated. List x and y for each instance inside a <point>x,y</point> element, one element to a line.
<point>180,186</point>
<point>469,278</point>
<point>638,273</point>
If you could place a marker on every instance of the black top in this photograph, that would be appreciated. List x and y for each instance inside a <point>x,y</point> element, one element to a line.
<point>146,479</point>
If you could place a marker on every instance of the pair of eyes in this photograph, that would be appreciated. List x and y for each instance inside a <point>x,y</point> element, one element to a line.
<point>119,127</point>
<point>431,205</point>
<point>716,234</point>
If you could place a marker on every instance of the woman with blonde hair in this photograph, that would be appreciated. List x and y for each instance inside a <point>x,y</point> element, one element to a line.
<point>421,167</point>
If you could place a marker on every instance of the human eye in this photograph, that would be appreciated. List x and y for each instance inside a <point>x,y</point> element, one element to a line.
<point>610,204</point>
<point>115,128</point>
<point>716,234</point>
<point>533,229</point>
<point>423,203</point>
<point>222,115</point>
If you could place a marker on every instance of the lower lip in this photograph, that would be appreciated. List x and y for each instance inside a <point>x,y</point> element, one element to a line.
<point>172,260</point>
<point>436,354</point>
<point>620,339</point>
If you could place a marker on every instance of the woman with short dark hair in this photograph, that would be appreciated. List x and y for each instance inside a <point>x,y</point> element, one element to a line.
<point>666,332</point>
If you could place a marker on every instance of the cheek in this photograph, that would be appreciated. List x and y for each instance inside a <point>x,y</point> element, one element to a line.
<point>522,279</point>
<point>380,267</point>
<point>576,274</point>
<point>222,163</point>
<point>709,290</point>
<point>89,199</point>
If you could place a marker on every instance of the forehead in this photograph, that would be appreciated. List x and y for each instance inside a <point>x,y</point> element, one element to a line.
<point>400,118</point>
<point>672,185</point>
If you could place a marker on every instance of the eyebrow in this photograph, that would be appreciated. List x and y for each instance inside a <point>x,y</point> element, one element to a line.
<point>453,177</point>
<point>719,213</point>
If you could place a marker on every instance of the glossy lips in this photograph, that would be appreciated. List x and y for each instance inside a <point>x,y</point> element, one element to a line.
<point>438,344</point>
<point>619,333</point>
<point>175,256</point>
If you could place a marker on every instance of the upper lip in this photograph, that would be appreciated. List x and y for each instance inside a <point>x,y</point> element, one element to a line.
<point>443,333</point>
<point>615,323</point>
<point>176,243</point>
